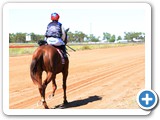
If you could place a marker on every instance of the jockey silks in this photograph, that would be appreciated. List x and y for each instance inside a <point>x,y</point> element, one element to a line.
<point>54,29</point>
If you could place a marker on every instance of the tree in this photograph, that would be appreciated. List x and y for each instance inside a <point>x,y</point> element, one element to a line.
<point>112,39</point>
<point>92,38</point>
<point>142,36</point>
<point>79,36</point>
<point>11,37</point>
<point>20,37</point>
<point>119,38</point>
<point>106,36</point>
<point>36,37</point>
<point>136,35</point>
<point>71,37</point>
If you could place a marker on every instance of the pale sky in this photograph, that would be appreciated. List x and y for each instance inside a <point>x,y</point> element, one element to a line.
<point>95,18</point>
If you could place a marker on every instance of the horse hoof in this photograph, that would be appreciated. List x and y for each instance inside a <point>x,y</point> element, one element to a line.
<point>46,107</point>
<point>39,103</point>
<point>65,102</point>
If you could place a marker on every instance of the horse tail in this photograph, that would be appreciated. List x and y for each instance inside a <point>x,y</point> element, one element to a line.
<point>33,70</point>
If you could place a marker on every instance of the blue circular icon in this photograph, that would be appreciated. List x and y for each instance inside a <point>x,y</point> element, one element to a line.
<point>147,99</point>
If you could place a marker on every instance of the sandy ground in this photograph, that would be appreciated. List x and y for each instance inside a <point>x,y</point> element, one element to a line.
<point>98,79</point>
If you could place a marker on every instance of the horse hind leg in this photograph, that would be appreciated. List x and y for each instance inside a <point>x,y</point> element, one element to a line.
<point>65,87</point>
<point>42,93</point>
<point>54,86</point>
<point>42,89</point>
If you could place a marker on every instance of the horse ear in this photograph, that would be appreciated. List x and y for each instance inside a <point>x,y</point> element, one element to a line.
<point>66,30</point>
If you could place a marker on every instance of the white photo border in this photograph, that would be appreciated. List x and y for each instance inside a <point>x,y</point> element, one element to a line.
<point>8,111</point>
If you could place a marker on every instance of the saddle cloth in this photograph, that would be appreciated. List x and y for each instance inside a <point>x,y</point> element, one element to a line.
<point>62,57</point>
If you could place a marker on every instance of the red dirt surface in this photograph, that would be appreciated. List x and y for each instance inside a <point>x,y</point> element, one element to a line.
<point>21,46</point>
<point>98,79</point>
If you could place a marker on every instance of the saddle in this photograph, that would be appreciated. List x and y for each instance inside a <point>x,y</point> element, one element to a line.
<point>62,53</point>
<point>42,42</point>
<point>59,49</point>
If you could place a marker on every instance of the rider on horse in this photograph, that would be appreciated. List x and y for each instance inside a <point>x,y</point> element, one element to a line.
<point>55,34</point>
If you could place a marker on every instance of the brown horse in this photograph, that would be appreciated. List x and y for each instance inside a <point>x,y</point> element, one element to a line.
<point>47,58</point>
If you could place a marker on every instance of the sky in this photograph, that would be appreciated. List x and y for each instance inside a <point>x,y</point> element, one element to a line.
<point>90,18</point>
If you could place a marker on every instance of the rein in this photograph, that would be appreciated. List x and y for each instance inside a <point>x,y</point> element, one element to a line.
<point>71,48</point>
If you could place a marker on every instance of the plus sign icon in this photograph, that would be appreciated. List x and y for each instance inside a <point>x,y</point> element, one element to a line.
<point>147,99</point>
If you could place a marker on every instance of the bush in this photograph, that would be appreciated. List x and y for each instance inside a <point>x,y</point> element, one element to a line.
<point>86,47</point>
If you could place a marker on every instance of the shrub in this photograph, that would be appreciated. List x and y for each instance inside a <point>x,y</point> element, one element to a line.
<point>86,47</point>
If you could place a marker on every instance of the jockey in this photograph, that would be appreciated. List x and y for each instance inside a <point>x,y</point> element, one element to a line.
<point>55,33</point>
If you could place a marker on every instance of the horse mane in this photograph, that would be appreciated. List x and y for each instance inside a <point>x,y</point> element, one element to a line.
<point>66,38</point>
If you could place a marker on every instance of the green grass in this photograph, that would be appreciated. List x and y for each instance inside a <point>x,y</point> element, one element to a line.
<point>29,51</point>
<point>21,51</point>
<point>99,46</point>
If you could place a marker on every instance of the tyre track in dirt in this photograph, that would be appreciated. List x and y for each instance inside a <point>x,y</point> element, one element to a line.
<point>91,82</point>
<point>97,76</point>
<point>85,82</point>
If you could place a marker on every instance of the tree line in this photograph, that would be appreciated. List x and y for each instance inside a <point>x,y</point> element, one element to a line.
<point>21,37</point>
<point>78,36</point>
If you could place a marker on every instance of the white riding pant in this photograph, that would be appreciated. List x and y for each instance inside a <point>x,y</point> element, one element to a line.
<point>55,41</point>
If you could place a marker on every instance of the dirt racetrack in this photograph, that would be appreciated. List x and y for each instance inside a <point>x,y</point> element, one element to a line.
<point>98,79</point>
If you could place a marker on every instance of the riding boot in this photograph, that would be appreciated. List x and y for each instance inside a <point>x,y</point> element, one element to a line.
<point>63,48</point>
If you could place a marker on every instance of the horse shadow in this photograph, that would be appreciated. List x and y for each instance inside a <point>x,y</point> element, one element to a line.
<point>78,103</point>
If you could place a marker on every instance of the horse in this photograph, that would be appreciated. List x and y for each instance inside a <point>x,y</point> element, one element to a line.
<point>47,58</point>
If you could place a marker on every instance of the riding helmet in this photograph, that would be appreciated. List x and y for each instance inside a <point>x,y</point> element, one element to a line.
<point>54,16</point>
